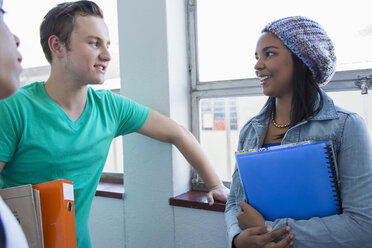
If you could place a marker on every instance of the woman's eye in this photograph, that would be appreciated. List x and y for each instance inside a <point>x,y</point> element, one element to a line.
<point>268,54</point>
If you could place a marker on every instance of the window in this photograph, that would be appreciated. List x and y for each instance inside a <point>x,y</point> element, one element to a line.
<point>218,114</point>
<point>222,40</point>
<point>36,67</point>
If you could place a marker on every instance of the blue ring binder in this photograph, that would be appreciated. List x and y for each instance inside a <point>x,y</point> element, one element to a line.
<point>332,171</point>
<point>296,181</point>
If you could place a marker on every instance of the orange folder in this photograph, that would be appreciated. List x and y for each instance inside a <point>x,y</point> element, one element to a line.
<point>57,213</point>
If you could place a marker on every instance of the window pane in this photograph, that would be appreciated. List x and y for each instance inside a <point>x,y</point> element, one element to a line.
<point>228,31</point>
<point>220,127</point>
<point>114,162</point>
<point>36,67</point>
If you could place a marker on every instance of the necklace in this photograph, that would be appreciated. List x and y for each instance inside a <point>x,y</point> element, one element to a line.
<point>278,125</point>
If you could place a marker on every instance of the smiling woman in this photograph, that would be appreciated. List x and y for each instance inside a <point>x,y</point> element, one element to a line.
<point>298,57</point>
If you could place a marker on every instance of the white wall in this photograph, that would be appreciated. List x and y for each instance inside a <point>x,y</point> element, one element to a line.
<point>194,228</point>
<point>154,72</point>
<point>107,223</point>
<point>197,228</point>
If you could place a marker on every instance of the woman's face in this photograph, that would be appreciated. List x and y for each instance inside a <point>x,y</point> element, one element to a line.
<point>274,67</point>
<point>10,59</point>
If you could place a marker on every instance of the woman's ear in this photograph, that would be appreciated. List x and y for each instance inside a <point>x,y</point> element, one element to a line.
<point>56,46</point>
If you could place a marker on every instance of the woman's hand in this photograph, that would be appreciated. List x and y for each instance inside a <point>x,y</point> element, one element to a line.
<point>248,216</point>
<point>256,237</point>
<point>219,192</point>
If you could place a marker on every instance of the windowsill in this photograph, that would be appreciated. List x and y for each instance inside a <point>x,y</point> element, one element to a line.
<point>111,190</point>
<point>191,199</point>
<point>196,199</point>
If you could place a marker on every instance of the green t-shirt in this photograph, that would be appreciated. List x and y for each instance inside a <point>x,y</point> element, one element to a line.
<point>40,143</point>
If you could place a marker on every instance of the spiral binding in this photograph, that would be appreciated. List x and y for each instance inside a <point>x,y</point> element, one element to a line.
<point>333,176</point>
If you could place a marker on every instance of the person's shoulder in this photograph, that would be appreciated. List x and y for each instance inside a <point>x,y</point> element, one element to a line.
<point>347,116</point>
<point>329,106</point>
<point>341,110</point>
<point>100,96</point>
<point>25,92</point>
<point>347,113</point>
<point>105,95</point>
<point>99,93</point>
<point>29,89</point>
<point>109,99</point>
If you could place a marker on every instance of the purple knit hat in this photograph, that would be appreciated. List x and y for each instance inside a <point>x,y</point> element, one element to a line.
<point>308,40</point>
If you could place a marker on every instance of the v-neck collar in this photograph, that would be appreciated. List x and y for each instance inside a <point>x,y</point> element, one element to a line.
<point>62,114</point>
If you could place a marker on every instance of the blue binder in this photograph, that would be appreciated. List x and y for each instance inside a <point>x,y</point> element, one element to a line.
<point>296,182</point>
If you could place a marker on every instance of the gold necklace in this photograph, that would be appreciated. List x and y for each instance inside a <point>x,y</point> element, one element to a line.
<point>278,125</point>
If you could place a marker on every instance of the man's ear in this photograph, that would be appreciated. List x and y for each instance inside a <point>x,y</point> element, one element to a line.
<point>56,46</point>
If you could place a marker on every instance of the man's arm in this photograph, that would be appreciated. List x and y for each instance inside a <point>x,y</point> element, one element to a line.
<point>2,164</point>
<point>162,128</point>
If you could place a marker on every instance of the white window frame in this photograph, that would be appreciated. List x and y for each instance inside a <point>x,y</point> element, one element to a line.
<point>352,80</point>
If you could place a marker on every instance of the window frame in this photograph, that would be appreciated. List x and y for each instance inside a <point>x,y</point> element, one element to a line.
<point>342,81</point>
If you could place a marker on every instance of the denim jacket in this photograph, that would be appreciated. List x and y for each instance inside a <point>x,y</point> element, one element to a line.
<point>352,147</point>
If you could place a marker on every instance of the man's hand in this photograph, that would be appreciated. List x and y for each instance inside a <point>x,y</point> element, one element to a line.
<point>219,193</point>
<point>256,237</point>
<point>248,216</point>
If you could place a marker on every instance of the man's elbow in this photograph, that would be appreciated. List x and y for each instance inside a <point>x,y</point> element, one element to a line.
<point>179,135</point>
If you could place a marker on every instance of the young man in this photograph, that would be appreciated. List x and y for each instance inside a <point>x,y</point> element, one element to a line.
<point>61,128</point>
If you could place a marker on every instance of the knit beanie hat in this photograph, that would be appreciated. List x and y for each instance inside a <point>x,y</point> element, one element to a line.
<point>308,40</point>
